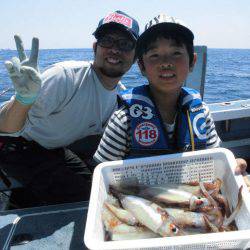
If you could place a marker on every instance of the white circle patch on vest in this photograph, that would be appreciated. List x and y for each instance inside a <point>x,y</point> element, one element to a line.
<point>146,133</point>
<point>199,126</point>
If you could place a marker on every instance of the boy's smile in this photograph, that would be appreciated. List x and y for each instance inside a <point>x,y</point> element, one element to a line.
<point>166,65</point>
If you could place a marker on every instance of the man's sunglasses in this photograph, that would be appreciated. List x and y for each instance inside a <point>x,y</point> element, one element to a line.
<point>122,44</point>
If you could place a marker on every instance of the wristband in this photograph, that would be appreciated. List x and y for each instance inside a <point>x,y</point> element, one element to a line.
<point>26,100</point>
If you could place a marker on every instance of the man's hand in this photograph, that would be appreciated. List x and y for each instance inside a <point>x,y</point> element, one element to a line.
<point>24,72</point>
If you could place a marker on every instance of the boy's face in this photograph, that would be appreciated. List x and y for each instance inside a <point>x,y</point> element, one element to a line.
<point>166,65</point>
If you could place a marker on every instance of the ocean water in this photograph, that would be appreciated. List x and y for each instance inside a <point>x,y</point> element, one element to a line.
<point>227,75</point>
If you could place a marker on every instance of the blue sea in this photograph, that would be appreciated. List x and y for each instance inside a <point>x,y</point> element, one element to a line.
<point>227,75</point>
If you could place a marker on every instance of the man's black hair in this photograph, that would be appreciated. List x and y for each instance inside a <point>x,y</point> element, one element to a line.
<point>175,35</point>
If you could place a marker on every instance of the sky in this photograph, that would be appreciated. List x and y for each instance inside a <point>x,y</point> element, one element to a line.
<point>70,23</point>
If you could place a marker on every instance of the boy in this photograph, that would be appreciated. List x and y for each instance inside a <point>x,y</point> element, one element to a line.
<point>162,117</point>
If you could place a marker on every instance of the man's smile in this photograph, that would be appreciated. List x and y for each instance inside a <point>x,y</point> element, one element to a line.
<point>113,60</point>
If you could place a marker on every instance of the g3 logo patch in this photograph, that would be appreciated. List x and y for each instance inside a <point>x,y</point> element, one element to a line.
<point>146,133</point>
<point>138,110</point>
<point>199,125</point>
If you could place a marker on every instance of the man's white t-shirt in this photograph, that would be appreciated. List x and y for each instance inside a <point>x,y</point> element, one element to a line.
<point>72,104</point>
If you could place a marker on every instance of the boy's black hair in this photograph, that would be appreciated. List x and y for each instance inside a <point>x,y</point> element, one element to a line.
<point>179,37</point>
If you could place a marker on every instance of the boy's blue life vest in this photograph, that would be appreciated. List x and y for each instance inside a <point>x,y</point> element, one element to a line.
<point>148,135</point>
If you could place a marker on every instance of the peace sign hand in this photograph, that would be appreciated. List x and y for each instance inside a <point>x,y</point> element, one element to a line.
<point>24,72</point>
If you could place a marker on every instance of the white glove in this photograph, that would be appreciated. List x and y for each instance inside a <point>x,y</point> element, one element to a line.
<point>24,72</point>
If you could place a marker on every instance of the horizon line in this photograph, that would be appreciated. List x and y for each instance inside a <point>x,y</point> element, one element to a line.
<point>92,48</point>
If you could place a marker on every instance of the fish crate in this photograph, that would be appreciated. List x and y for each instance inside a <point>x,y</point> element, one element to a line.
<point>205,165</point>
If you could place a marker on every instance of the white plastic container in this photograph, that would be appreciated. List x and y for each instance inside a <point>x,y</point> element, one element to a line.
<point>182,167</point>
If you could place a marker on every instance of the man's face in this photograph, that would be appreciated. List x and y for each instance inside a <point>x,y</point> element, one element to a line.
<point>112,61</point>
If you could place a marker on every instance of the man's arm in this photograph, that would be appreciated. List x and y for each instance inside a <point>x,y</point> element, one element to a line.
<point>26,79</point>
<point>13,116</point>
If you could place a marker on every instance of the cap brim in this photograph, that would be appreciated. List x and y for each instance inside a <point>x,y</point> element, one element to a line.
<point>166,27</point>
<point>107,26</point>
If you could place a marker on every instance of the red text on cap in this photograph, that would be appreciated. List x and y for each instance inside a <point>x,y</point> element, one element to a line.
<point>118,18</point>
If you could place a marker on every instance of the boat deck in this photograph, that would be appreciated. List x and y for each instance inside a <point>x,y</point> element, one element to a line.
<point>49,227</point>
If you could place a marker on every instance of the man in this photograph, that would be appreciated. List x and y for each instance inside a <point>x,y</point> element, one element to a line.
<point>68,102</point>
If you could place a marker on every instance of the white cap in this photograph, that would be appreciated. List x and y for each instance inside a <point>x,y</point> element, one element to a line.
<point>166,23</point>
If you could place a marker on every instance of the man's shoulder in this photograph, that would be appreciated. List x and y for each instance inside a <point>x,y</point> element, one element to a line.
<point>66,67</point>
<point>66,70</point>
<point>73,64</point>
